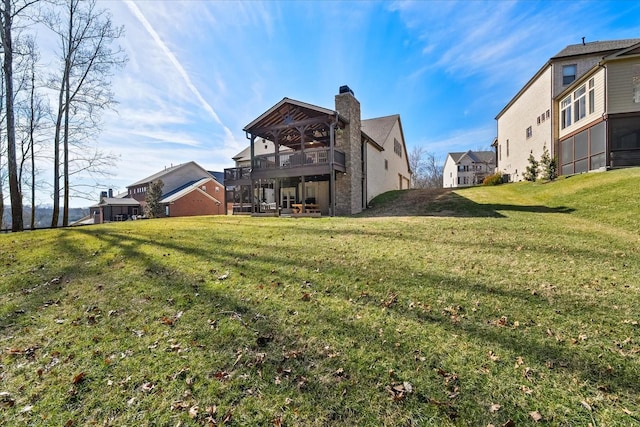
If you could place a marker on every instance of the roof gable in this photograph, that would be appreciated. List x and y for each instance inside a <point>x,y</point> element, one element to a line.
<point>595,47</point>
<point>159,175</point>
<point>379,128</point>
<point>186,189</point>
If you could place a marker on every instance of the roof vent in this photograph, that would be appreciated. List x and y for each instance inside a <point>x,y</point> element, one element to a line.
<point>346,89</point>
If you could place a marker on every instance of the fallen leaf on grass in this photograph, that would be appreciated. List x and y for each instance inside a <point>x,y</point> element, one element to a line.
<point>78,378</point>
<point>509,423</point>
<point>193,412</point>
<point>147,387</point>
<point>495,407</point>
<point>626,411</point>
<point>586,405</point>
<point>535,415</point>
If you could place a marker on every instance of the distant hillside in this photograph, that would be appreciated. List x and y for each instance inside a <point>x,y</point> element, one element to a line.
<point>43,216</point>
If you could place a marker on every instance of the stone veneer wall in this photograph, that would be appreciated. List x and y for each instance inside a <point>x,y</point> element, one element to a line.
<point>349,186</point>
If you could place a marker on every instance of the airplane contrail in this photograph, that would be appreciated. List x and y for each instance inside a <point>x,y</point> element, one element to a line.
<point>172,58</point>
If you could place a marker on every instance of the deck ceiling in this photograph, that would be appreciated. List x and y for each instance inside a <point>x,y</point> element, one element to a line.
<point>285,120</point>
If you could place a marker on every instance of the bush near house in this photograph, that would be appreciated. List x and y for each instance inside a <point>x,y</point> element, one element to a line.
<point>495,179</point>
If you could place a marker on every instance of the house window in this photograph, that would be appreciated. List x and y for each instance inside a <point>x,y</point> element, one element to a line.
<point>386,164</point>
<point>579,103</point>
<point>565,114</point>
<point>217,189</point>
<point>592,97</point>
<point>397,147</point>
<point>540,118</point>
<point>204,188</point>
<point>548,113</point>
<point>569,73</point>
<point>529,132</point>
<point>507,148</point>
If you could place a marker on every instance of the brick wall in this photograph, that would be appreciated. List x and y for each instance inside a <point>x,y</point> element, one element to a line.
<point>196,203</point>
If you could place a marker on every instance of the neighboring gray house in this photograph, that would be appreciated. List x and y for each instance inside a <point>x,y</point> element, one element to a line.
<point>583,106</point>
<point>468,168</point>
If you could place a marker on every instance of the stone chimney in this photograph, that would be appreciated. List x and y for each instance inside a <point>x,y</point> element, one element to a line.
<point>349,140</point>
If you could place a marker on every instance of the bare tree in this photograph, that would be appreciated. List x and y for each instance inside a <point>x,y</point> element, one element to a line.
<point>30,109</point>
<point>86,36</point>
<point>427,169</point>
<point>10,10</point>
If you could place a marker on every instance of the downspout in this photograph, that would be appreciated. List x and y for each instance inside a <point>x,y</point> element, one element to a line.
<point>332,176</point>
<point>605,116</point>
<point>251,166</point>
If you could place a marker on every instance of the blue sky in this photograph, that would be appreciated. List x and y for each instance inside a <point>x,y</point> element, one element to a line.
<point>199,71</point>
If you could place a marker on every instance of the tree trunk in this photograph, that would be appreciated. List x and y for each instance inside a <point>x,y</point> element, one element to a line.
<point>14,187</point>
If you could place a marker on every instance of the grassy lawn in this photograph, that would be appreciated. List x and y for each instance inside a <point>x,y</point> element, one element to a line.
<point>509,305</point>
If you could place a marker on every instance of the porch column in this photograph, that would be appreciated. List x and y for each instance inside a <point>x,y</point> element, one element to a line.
<point>303,190</point>
<point>252,163</point>
<point>276,181</point>
<point>332,172</point>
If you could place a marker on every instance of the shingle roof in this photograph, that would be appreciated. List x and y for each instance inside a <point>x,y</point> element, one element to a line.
<point>117,201</point>
<point>379,128</point>
<point>162,173</point>
<point>595,47</point>
<point>475,156</point>
<point>186,189</point>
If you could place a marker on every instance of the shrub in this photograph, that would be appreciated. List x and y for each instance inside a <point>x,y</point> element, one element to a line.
<point>495,179</point>
<point>549,166</point>
<point>532,171</point>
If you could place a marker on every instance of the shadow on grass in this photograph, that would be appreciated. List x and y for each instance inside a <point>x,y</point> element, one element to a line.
<point>446,203</point>
<point>254,256</point>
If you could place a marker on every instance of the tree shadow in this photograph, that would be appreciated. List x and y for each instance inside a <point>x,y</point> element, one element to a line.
<point>446,203</point>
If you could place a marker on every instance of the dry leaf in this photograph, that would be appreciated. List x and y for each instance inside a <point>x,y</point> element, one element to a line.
<point>193,411</point>
<point>509,423</point>
<point>495,407</point>
<point>586,406</point>
<point>78,378</point>
<point>535,415</point>
<point>147,387</point>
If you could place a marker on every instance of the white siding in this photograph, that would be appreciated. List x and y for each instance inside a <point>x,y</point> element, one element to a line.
<point>599,87</point>
<point>513,123</point>
<point>379,179</point>
<point>620,79</point>
<point>450,173</point>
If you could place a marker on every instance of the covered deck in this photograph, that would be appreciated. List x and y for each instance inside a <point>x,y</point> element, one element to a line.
<point>298,177</point>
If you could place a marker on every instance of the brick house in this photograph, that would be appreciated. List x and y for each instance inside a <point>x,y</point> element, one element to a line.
<point>188,190</point>
<point>309,160</point>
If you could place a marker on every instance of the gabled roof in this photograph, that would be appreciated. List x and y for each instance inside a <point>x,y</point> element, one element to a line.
<point>187,188</point>
<point>288,113</point>
<point>218,176</point>
<point>475,156</point>
<point>379,128</point>
<point>158,175</point>
<point>117,201</point>
<point>595,47</point>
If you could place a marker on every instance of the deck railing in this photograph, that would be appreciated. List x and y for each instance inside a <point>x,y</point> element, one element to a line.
<point>316,156</point>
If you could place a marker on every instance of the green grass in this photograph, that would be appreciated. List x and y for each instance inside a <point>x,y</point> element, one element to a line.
<point>524,296</point>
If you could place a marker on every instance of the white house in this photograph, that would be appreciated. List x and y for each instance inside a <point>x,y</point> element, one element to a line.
<point>468,168</point>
